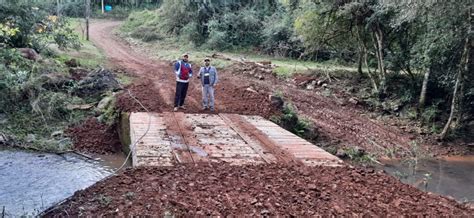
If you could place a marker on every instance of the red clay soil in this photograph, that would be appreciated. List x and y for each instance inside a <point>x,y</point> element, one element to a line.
<point>344,123</point>
<point>155,81</point>
<point>222,190</point>
<point>94,137</point>
<point>145,92</point>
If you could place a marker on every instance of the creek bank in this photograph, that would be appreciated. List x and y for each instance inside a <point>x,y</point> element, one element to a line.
<point>447,176</point>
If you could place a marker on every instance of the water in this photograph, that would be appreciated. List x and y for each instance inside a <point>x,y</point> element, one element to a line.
<point>32,182</point>
<point>453,176</point>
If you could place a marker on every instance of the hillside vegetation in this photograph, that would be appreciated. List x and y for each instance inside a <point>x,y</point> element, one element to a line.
<point>410,57</point>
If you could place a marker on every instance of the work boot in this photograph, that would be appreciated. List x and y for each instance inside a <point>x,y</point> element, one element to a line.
<point>175,109</point>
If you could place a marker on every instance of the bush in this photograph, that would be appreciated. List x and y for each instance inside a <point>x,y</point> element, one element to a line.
<point>241,29</point>
<point>73,9</point>
<point>279,39</point>
<point>190,33</point>
<point>35,28</point>
<point>218,40</point>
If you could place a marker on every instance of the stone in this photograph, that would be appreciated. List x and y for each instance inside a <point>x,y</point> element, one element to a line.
<point>276,101</point>
<point>359,151</point>
<point>250,90</point>
<point>58,133</point>
<point>341,153</point>
<point>29,53</point>
<point>64,143</point>
<point>30,138</point>
<point>104,103</point>
<point>79,106</point>
<point>3,118</point>
<point>3,139</point>
<point>325,85</point>
<point>354,100</point>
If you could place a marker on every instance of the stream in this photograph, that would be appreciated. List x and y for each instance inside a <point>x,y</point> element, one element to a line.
<point>448,176</point>
<point>31,182</point>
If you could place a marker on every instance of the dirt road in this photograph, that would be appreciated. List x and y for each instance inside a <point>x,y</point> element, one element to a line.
<point>155,83</point>
<point>262,190</point>
<point>343,124</point>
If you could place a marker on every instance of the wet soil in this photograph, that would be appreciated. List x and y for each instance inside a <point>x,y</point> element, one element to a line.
<point>222,190</point>
<point>94,137</point>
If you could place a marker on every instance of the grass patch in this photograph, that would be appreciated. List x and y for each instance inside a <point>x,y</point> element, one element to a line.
<point>88,55</point>
<point>137,29</point>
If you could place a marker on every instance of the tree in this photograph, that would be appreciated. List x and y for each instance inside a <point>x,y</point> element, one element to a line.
<point>463,68</point>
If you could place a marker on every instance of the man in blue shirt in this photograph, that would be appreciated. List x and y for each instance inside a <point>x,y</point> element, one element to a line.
<point>208,76</point>
<point>183,71</point>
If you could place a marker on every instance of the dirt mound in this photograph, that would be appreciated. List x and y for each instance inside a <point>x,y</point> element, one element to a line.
<point>222,190</point>
<point>246,101</point>
<point>145,92</point>
<point>94,137</point>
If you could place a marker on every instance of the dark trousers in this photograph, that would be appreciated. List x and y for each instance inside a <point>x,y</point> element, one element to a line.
<point>181,90</point>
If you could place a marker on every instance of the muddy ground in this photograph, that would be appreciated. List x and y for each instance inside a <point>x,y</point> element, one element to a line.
<point>222,190</point>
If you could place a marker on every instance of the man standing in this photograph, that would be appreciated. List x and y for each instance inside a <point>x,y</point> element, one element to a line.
<point>208,76</point>
<point>183,72</point>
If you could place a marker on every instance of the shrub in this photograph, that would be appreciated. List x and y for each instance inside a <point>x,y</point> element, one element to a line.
<point>218,40</point>
<point>190,33</point>
<point>241,29</point>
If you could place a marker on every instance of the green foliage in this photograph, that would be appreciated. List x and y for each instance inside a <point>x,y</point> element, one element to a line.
<point>430,113</point>
<point>31,27</point>
<point>291,122</point>
<point>73,9</point>
<point>279,38</point>
<point>392,42</point>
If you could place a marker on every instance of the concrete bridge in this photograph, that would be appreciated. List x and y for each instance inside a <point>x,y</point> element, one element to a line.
<point>165,139</point>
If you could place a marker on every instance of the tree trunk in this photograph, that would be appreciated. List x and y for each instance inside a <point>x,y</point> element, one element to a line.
<point>359,61</point>
<point>58,8</point>
<point>361,51</point>
<point>463,67</point>
<point>102,6</point>
<point>88,14</point>
<point>380,44</point>
<point>371,76</point>
<point>457,98</point>
<point>424,88</point>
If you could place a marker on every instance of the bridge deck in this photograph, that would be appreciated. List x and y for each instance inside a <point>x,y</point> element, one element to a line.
<point>186,138</point>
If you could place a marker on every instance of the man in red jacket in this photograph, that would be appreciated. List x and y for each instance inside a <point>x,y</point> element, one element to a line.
<point>183,71</point>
